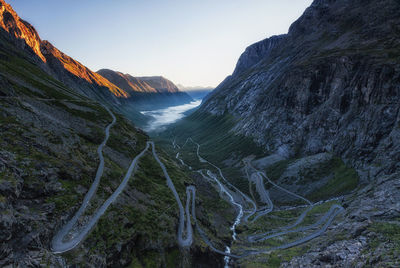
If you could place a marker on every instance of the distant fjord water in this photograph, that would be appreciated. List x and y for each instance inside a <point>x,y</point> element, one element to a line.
<point>163,117</point>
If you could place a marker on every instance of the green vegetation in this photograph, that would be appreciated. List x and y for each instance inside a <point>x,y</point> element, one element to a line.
<point>388,232</point>
<point>214,134</point>
<point>145,218</point>
<point>276,170</point>
<point>237,178</point>
<point>276,219</point>
<point>218,143</point>
<point>345,179</point>
<point>342,178</point>
<point>275,258</point>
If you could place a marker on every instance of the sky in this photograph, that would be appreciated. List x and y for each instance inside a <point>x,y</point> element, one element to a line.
<point>191,42</point>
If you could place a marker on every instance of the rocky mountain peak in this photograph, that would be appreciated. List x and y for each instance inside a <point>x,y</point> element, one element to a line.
<point>257,52</point>
<point>369,20</point>
<point>19,29</point>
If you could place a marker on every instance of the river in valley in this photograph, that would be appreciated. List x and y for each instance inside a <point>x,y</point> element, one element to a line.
<point>163,117</point>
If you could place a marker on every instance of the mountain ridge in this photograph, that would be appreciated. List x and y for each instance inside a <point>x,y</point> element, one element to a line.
<point>73,73</point>
<point>161,84</point>
<point>144,84</point>
<point>127,82</point>
<point>55,62</point>
<point>149,92</point>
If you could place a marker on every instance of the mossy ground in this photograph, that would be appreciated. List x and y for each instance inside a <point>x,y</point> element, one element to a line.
<point>386,240</point>
<point>343,178</point>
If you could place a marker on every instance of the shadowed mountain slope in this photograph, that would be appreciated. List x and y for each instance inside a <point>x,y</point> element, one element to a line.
<point>330,86</point>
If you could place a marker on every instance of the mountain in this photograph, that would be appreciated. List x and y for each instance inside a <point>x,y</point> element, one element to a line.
<point>52,133</point>
<point>309,89</point>
<point>196,92</point>
<point>199,94</point>
<point>292,161</point>
<point>53,61</point>
<point>65,69</point>
<point>330,87</point>
<point>161,84</point>
<point>127,82</point>
<point>147,93</point>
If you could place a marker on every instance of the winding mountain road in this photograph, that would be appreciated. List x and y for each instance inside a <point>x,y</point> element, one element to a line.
<point>325,220</point>
<point>202,160</point>
<point>67,238</point>
<point>60,243</point>
<point>264,197</point>
<point>183,242</point>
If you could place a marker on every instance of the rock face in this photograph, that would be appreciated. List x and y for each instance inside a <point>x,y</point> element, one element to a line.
<point>255,53</point>
<point>328,85</point>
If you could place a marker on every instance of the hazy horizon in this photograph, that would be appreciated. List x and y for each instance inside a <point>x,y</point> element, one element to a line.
<point>192,43</point>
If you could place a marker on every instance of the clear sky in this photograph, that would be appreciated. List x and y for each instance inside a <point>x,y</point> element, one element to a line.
<point>191,42</point>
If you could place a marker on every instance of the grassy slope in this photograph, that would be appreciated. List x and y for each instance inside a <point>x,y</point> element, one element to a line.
<point>214,135</point>
<point>344,178</point>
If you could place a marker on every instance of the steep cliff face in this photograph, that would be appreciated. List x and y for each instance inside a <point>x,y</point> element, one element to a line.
<point>330,84</point>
